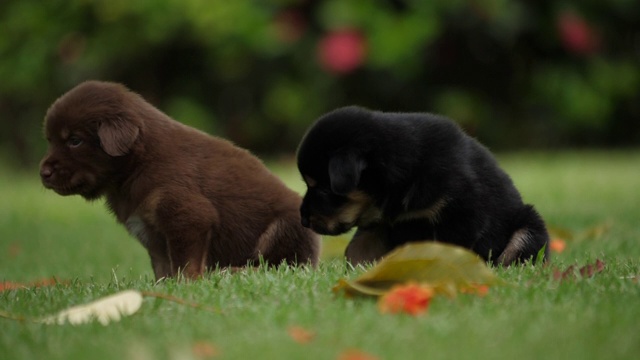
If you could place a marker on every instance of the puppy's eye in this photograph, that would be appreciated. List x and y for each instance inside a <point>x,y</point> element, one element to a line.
<point>74,142</point>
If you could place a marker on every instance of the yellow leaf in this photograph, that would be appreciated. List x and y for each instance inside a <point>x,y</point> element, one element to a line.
<point>594,232</point>
<point>105,310</point>
<point>446,268</point>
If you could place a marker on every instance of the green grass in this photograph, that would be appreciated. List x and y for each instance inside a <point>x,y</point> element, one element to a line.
<point>591,198</point>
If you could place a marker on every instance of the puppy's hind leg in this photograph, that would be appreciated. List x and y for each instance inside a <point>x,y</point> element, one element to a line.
<point>286,239</point>
<point>160,261</point>
<point>187,224</point>
<point>527,240</point>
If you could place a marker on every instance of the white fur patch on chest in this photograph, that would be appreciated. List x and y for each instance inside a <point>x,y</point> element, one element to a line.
<point>137,228</point>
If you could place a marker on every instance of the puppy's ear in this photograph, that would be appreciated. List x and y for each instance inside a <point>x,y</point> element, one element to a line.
<point>344,172</point>
<point>117,136</point>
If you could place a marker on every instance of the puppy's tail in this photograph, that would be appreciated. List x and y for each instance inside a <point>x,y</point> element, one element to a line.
<point>529,237</point>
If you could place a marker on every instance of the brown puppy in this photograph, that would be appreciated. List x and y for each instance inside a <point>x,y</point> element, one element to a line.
<point>194,201</point>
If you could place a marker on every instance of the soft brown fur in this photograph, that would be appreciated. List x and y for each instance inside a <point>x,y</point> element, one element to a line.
<point>194,201</point>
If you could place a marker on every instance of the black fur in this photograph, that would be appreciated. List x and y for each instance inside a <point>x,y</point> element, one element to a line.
<point>402,177</point>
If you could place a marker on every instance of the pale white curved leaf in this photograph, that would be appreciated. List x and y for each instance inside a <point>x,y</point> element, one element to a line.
<point>105,310</point>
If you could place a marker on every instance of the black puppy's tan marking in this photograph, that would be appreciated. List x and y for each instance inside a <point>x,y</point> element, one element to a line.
<point>411,177</point>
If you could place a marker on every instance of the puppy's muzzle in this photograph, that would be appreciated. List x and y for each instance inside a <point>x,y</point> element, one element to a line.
<point>47,173</point>
<point>314,223</point>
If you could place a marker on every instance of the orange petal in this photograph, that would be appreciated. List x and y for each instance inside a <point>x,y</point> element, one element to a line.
<point>410,298</point>
<point>300,334</point>
<point>557,245</point>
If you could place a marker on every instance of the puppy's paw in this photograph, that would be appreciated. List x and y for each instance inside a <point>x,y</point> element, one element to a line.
<point>365,247</point>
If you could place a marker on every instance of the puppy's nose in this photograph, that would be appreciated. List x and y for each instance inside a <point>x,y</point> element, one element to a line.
<point>46,171</point>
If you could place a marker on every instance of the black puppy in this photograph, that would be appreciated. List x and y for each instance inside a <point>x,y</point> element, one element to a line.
<point>402,177</point>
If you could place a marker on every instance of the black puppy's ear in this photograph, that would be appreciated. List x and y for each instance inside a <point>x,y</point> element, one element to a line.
<point>344,172</point>
<point>117,136</point>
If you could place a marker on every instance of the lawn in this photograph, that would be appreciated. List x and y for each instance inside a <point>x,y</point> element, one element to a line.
<point>590,199</point>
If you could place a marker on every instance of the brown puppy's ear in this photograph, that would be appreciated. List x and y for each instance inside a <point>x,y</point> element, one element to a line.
<point>117,136</point>
<point>344,172</point>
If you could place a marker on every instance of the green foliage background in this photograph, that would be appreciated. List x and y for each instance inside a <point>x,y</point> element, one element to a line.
<point>248,70</point>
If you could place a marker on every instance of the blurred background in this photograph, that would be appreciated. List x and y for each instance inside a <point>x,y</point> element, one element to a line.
<point>515,74</point>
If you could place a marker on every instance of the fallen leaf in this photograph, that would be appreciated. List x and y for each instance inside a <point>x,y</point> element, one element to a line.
<point>585,271</point>
<point>9,285</point>
<point>15,249</point>
<point>300,334</point>
<point>355,354</point>
<point>204,349</point>
<point>105,310</point>
<point>10,316</point>
<point>593,232</point>
<point>411,298</point>
<point>446,268</point>
<point>561,233</point>
<point>557,245</point>
<point>590,270</point>
<point>563,275</point>
<point>596,231</point>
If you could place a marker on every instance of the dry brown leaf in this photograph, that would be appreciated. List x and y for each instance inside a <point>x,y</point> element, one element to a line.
<point>204,350</point>
<point>9,285</point>
<point>300,334</point>
<point>593,232</point>
<point>15,249</point>
<point>586,271</point>
<point>355,354</point>
<point>590,270</point>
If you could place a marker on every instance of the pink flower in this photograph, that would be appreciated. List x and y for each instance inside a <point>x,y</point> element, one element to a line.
<point>342,51</point>
<point>576,34</point>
